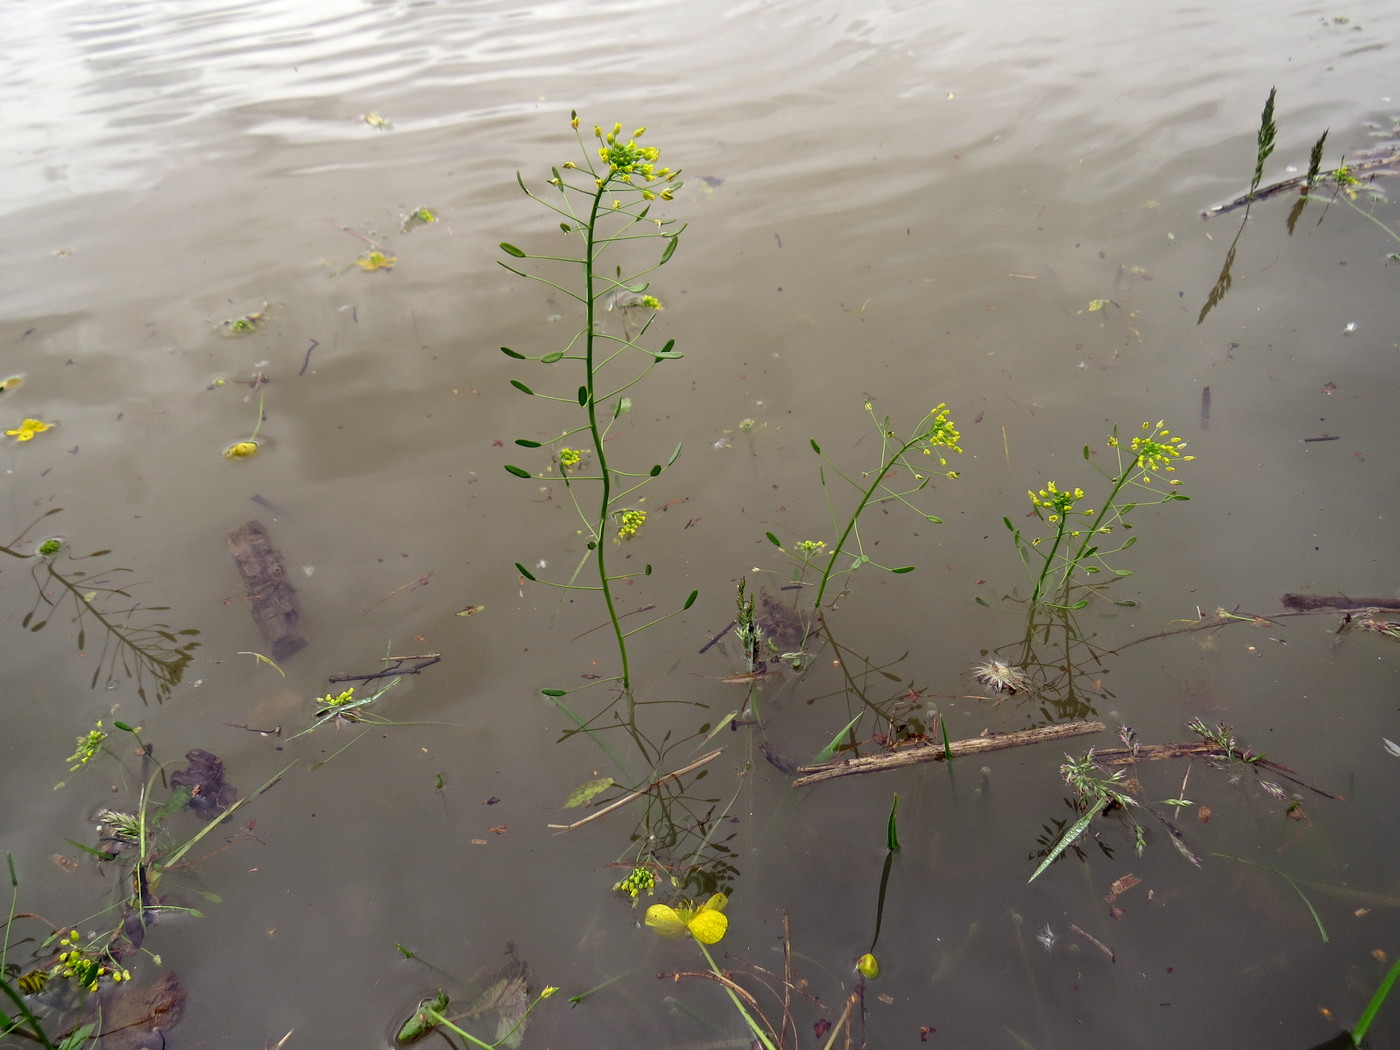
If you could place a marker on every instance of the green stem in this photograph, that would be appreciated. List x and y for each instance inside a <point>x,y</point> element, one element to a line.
<point>850,525</point>
<point>605,499</point>
<point>1049,561</point>
<point>762,1036</point>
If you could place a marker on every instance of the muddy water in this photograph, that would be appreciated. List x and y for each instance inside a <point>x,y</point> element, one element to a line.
<point>910,204</point>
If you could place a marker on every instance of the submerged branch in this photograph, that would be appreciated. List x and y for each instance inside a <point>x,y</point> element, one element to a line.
<point>936,752</point>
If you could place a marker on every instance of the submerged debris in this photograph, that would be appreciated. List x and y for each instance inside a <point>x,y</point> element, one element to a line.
<point>210,793</point>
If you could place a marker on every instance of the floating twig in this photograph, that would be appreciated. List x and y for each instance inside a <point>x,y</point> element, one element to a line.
<point>633,795</point>
<point>937,752</point>
<point>396,666</point>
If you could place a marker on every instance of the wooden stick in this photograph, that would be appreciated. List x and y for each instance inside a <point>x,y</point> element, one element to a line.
<point>934,752</point>
<point>633,795</point>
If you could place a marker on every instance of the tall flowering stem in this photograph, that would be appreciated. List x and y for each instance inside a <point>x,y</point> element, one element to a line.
<point>936,435</point>
<point>1142,466</point>
<point>605,200</point>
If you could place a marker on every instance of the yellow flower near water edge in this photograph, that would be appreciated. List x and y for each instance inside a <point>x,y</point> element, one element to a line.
<point>707,924</point>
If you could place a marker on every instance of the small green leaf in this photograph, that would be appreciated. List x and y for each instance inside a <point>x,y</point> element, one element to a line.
<point>1122,572</point>
<point>646,571</point>
<point>1007,522</point>
<point>655,470</point>
<point>1087,452</point>
<point>675,455</point>
<point>1081,604</point>
<point>670,249</point>
<point>582,396</point>
<point>892,831</point>
<point>902,570</point>
<point>551,357</point>
<point>554,692</point>
<point>123,727</point>
<point>522,387</point>
<point>815,447</point>
<point>525,572</point>
<point>624,405</point>
<point>774,540</point>
<point>670,345</point>
<point>982,602</point>
<point>512,353</point>
<point>527,443</point>
<point>511,249</point>
<point>519,472</point>
<point>586,791</point>
<point>690,600</point>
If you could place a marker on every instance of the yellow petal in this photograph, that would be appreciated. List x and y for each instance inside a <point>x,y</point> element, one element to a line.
<point>666,921</point>
<point>715,903</point>
<point>241,450</point>
<point>709,925</point>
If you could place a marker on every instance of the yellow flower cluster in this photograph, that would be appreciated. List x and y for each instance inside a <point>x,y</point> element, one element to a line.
<point>1057,502</point>
<point>942,433</point>
<point>707,923</point>
<point>628,522</point>
<point>570,458</point>
<point>638,880</point>
<point>88,747</point>
<point>86,972</point>
<point>1157,449</point>
<point>27,429</point>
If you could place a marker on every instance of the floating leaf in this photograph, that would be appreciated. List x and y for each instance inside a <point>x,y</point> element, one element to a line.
<point>513,353</point>
<point>551,357</point>
<point>587,791</point>
<point>522,387</point>
<point>470,610</point>
<point>519,472</point>
<point>511,249</point>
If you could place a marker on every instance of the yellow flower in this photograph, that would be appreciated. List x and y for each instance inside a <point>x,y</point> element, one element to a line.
<point>26,430</point>
<point>241,450</point>
<point>376,260</point>
<point>868,966</point>
<point>707,924</point>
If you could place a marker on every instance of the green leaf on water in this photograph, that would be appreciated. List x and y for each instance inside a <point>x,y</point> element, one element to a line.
<point>511,249</point>
<point>554,692</point>
<point>670,249</point>
<point>892,831</point>
<point>524,571</point>
<point>587,791</point>
<point>902,570</point>
<point>1066,840</point>
<point>519,472</point>
<point>815,447</point>
<point>527,443</point>
<point>522,387</point>
<point>512,353</point>
<point>774,540</point>
<point>551,357</point>
<point>690,600</point>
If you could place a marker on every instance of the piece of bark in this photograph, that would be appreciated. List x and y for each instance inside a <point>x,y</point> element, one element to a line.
<point>273,600</point>
<point>1311,602</point>
<point>935,752</point>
